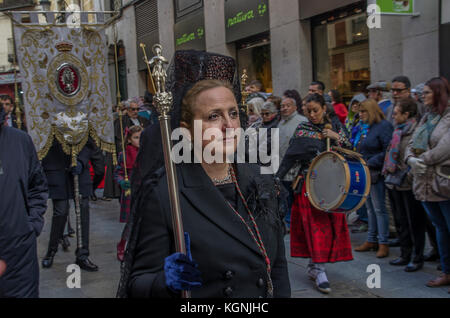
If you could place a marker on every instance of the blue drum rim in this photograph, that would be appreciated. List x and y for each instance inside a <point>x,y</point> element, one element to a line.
<point>368,184</point>
<point>347,183</point>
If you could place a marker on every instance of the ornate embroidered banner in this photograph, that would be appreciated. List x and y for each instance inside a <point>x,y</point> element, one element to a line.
<point>64,76</point>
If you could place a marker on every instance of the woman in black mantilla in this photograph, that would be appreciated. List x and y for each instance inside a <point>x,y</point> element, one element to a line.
<point>230,211</point>
<point>323,237</point>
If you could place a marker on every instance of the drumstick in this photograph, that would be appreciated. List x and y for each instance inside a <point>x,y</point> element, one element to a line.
<point>328,126</point>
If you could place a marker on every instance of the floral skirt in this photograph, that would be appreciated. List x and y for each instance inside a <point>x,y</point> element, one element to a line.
<point>321,236</point>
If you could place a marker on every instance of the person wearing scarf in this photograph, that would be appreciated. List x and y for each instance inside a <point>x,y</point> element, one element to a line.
<point>409,215</point>
<point>323,237</point>
<point>428,155</point>
<point>132,136</point>
<point>361,131</point>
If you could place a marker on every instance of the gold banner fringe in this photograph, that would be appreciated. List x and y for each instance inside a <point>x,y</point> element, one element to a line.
<point>44,151</point>
<point>74,150</point>
<point>103,145</point>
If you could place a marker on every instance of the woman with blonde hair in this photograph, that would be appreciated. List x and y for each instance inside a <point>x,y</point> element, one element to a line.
<point>254,111</point>
<point>371,141</point>
<point>230,212</point>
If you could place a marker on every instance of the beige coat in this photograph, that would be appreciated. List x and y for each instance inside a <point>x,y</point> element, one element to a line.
<point>434,186</point>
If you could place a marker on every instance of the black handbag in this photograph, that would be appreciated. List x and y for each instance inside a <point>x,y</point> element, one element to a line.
<point>396,178</point>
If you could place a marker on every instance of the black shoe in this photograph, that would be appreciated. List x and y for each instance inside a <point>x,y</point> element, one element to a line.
<point>93,197</point>
<point>87,265</point>
<point>324,288</point>
<point>439,267</point>
<point>399,261</point>
<point>65,243</point>
<point>47,261</point>
<point>412,267</point>
<point>70,232</point>
<point>432,256</point>
<point>394,242</point>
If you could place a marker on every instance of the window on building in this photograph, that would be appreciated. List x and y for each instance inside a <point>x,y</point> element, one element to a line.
<point>253,54</point>
<point>341,51</point>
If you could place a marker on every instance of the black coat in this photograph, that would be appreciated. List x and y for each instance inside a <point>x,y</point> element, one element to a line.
<point>23,202</point>
<point>228,258</point>
<point>57,166</point>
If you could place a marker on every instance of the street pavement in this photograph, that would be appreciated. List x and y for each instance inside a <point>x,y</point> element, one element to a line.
<point>347,279</point>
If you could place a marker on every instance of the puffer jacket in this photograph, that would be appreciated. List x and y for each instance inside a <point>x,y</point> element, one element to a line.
<point>434,185</point>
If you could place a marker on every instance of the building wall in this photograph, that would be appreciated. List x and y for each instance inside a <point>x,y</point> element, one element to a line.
<point>126,29</point>
<point>406,45</point>
<point>386,49</point>
<point>215,28</point>
<point>290,40</point>
<point>166,22</point>
<point>445,11</point>
<point>444,42</point>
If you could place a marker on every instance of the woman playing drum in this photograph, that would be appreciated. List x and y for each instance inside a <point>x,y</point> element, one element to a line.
<point>315,234</point>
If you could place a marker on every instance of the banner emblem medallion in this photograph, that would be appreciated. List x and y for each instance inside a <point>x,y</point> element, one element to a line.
<point>68,79</point>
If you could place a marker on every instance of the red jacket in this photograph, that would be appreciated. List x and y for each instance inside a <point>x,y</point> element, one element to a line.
<point>341,111</point>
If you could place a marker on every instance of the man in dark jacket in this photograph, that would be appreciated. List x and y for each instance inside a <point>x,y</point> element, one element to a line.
<point>60,176</point>
<point>24,194</point>
<point>130,119</point>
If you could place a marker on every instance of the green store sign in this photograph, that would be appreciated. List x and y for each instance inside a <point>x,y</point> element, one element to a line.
<point>185,38</point>
<point>245,18</point>
<point>396,7</point>
<point>190,32</point>
<point>249,15</point>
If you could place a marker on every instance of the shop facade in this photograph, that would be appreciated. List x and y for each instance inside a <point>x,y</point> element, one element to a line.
<point>287,44</point>
<point>247,28</point>
<point>330,41</point>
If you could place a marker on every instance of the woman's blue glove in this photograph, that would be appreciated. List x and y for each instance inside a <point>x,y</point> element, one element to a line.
<point>181,271</point>
<point>78,169</point>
